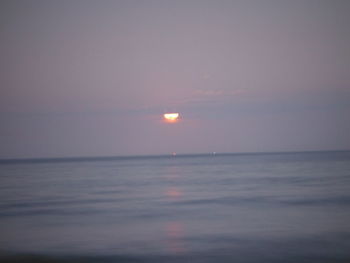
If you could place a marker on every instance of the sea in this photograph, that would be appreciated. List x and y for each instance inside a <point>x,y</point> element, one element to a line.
<point>240,208</point>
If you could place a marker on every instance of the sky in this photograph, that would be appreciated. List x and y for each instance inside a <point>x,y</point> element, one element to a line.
<point>93,78</point>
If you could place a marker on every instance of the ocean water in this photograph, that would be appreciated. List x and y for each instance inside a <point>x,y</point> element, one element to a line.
<point>285,207</point>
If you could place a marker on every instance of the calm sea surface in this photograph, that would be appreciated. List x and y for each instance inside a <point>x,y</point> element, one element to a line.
<point>292,207</point>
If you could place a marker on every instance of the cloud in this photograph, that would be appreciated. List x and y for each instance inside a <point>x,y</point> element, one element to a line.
<point>211,96</point>
<point>219,92</point>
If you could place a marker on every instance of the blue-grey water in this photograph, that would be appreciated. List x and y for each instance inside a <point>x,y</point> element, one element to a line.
<point>290,207</point>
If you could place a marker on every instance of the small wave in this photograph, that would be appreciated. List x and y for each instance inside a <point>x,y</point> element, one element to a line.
<point>233,201</point>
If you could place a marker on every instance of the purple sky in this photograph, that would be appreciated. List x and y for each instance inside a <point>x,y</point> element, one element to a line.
<point>90,78</point>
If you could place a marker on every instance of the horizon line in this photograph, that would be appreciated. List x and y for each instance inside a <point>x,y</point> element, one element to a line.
<point>169,155</point>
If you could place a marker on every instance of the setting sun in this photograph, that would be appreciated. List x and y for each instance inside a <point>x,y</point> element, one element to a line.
<point>171,117</point>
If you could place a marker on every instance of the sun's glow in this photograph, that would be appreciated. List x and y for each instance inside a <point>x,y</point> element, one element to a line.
<point>171,117</point>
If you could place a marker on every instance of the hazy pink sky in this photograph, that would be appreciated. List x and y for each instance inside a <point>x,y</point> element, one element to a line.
<point>87,78</point>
